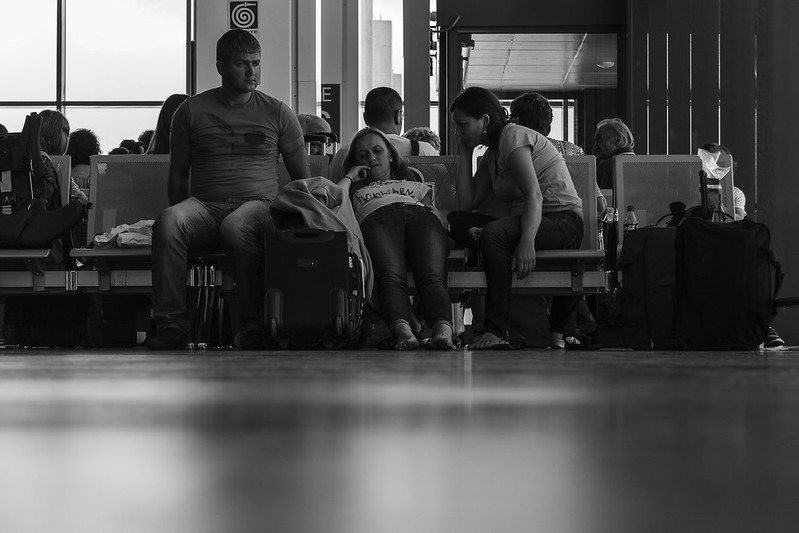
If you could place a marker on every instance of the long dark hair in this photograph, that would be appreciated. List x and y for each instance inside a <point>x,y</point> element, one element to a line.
<point>476,102</point>
<point>159,142</point>
<point>54,132</point>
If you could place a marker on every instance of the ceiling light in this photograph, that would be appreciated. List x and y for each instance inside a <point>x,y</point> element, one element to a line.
<point>606,64</point>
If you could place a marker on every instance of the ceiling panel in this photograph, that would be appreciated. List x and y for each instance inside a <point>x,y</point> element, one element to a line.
<point>541,61</point>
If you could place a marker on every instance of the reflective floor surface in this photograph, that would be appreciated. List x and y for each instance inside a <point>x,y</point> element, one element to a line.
<point>351,442</point>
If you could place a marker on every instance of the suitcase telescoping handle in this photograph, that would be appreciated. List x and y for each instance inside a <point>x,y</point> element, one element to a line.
<point>306,235</point>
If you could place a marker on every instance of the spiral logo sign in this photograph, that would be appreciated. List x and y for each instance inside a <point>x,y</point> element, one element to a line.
<point>244,16</point>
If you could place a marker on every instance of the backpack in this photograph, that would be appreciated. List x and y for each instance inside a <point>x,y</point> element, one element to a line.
<point>31,212</point>
<point>26,182</point>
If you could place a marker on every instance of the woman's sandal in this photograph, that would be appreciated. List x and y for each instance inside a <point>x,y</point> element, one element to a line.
<point>513,343</point>
<point>579,341</point>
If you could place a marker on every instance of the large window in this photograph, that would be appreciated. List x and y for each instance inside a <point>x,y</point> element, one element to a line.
<point>107,65</point>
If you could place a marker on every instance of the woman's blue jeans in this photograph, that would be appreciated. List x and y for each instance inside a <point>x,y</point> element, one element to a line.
<point>562,230</point>
<point>235,225</point>
<point>401,234</point>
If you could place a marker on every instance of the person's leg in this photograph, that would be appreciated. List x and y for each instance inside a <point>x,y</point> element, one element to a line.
<point>427,249</point>
<point>189,224</point>
<point>460,222</point>
<point>560,231</point>
<point>242,235</point>
<point>384,236</point>
<point>497,241</point>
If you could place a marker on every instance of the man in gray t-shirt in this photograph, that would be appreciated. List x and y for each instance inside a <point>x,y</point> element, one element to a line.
<point>223,176</point>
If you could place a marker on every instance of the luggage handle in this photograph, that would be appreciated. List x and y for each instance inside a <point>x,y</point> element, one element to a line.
<point>306,235</point>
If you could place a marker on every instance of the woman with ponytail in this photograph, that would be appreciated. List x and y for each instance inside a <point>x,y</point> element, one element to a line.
<point>524,171</point>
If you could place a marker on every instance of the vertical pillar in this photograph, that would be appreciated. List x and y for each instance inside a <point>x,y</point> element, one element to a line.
<point>340,59</point>
<point>777,109</point>
<point>306,39</point>
<point>416,48</point>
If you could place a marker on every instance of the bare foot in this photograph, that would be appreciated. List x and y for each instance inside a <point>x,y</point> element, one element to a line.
<point>442,340</point>
<point>484,341</point>
<point>405,339</point>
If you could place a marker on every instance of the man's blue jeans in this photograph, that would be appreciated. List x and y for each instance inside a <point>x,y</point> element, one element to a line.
<point>235,225</point>
<point>398,235</point>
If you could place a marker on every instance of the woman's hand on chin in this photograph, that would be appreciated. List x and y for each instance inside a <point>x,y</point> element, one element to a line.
<point>358,173</point>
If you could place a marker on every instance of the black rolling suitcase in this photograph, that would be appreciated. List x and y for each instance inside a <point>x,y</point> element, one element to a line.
<point>314,291</point>
<point>647,296</point>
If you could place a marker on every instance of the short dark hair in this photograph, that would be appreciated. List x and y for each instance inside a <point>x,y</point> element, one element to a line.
<point>83,143</point>
<point>532,110</point>
<point>134,147</point>
<point>381,104</point>
<point>236,42</point>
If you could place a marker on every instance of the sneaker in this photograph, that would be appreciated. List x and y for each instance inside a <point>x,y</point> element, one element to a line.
<point>773,339</point>
<point>168,339</point>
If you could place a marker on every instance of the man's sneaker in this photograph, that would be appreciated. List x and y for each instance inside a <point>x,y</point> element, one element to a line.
<point>168,339</point>
<point>773,339</point>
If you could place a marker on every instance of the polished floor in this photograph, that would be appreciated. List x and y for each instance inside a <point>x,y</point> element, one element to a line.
<point>351,442</point>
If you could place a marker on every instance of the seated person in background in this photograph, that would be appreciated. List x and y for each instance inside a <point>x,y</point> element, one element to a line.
<point>612,138</point>
<point>522,168</point>
<point>83,143</point>
<point>159,142</point>
<point>119,150</point>
<point>400,227</point>
<point>532,110</point>
<point>738,196</point>
<point>145,137</point>
<point>773,338</point>
<point>223,176</point>
<point>54,140</point>
<point>424,134</point>
<point>382,109</point>
<point>314,124</point>
<point>134,147</point>
<point>3,129</point>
